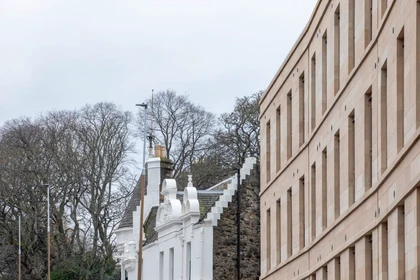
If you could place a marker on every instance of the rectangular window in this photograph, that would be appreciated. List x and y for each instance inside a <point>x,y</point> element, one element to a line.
<point>302,223</point>
<point>324,168</point>
<point>268,150</point>
<point>337,61</point>
<point>400,90</point>
<point>313,200</point>
<point>337,174</point>
<point>278,230</point>
<point>384,6</point>
<point>161,268</point>
<point>368,22</point>
<point>337,264</point>
<point>289,222</point>
<point>289,125</point>
<point>369,257</point>
<point>313,91</point>
<point>351,159</point>
<point>324,72</point>
<point>384,118</point>
<point>383,248</point>
<point>352,263</point>
<point>278,139</point>
<point>171,264</point>
<point>351,35</point>
<point>368,139</point>
<point>188,263</point>
<point>268,242</point>
<point>301,109</point>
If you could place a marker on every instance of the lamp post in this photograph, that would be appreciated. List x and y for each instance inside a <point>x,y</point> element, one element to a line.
<point>142,186</point>
<point>20,251</point>
<point>48,230</point>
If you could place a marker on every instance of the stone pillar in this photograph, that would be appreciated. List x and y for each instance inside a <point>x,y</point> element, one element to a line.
<point>412,235</point>
<point>396,243</point>
<point>347,264</point>
<point>334,269</point>
<point>364,258</point>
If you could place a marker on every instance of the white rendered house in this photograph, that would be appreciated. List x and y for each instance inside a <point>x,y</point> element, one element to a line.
<point>178,241</point>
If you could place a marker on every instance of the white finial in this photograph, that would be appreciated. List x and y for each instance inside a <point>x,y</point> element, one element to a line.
<point>190,184</point>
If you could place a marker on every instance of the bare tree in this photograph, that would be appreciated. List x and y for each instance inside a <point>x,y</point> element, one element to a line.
<point>84,156</point>
<point>181,126</point>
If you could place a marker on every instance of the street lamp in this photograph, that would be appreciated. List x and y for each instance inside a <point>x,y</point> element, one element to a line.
<point>140,252</point>
<point>48,230</point>
<point>20,251</point>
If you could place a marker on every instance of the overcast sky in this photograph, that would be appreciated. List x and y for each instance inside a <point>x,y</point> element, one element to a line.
<point>62,54</point>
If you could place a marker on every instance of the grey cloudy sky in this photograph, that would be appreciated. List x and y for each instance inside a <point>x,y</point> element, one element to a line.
<point>62,54</point>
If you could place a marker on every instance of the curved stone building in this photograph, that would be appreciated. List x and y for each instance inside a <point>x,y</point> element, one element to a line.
<point>340,158</point>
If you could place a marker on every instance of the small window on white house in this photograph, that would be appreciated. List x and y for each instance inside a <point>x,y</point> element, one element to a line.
<point>161,256</point>
<point>171,264</point>
<point>189,261</point>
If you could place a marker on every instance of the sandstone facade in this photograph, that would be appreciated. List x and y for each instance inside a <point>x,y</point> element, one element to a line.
<point>340,162</point>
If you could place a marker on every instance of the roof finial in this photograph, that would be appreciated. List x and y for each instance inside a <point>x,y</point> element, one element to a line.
<point>190,184</point>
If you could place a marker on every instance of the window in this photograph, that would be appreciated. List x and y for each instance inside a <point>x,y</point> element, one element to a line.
<point>383,118</point>
<point>324,72</point>
<point>188,263</point>
<point>351,35</point>
<point>337,174</point>
<point>171,264</point>
<point>351,159</point>
<point>302,223</point>
<point>313,91</point>
<point>368,22</point>
<point>337,61</point>
<point>352,262</point>
<point>301,109</point>
<point>368,139</point>
<point>384,6</point>
<point>161,268</point>
<point>278,230</point>
<point>278,139</point>
<point>400,90</point>
<point>268,242</point>
<point>324,178</point>
<point>383,248</point>
<point>289,125</point>
<point>268,150</point>
<point>313,200</point>
<point>289,222</point>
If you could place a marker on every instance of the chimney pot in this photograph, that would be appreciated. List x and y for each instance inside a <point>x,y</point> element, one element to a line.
<point>157,151</point>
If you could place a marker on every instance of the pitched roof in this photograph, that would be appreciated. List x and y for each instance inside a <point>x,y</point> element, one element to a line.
<point>149,226</point>
<point>127,219</point>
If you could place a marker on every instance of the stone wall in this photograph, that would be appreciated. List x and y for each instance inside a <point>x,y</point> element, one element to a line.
<point>225,234</point>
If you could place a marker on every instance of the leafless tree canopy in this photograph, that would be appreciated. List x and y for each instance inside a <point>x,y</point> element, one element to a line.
<point>84,156</point>
<point>182,127</point>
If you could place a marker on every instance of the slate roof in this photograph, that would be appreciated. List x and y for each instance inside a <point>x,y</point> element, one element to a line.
<point>127,219</point>
<point>149,226</point>
<point>206,198</point>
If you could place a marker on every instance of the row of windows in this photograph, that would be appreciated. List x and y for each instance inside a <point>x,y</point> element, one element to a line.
<point>368,17</point>
<point>336,171</point>
<point>363,246</point>
<point>390,252</point>
<point>171,268</point>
